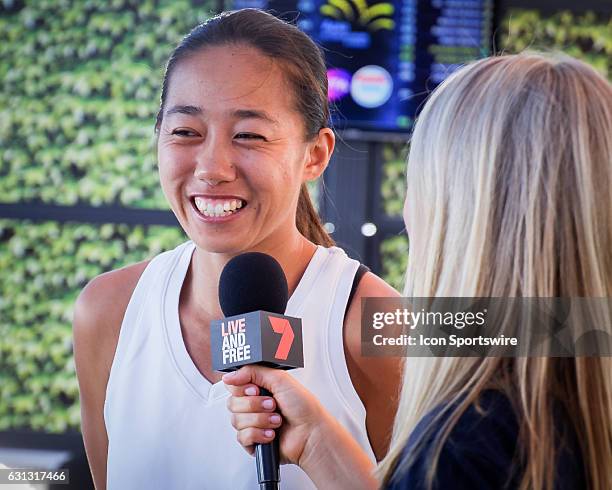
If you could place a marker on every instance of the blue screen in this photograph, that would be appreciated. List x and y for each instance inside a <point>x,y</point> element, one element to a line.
<point>383,58</point>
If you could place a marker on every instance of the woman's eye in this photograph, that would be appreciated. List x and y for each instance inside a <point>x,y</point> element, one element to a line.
<point>183,132</point>
<point>250,136</point>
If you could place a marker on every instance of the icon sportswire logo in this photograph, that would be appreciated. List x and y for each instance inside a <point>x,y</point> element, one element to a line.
<point>282,326</point>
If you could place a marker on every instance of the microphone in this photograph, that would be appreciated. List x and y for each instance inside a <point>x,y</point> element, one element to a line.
<point>253,294</point>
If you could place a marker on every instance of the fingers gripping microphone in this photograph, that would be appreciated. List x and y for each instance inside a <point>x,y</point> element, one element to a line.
<point>253,294</point>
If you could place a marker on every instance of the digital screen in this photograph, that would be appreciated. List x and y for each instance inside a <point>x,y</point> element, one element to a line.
<point>384,58</point>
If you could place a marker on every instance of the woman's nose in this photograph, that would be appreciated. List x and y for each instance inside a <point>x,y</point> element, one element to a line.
<point>213,164</point>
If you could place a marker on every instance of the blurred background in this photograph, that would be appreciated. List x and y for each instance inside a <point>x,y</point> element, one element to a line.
<point>79,192</point>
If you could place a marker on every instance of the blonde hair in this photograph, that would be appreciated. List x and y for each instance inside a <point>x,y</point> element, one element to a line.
<point>509,179</point>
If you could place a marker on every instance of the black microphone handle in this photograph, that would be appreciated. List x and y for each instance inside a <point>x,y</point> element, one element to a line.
<point>268,459</point>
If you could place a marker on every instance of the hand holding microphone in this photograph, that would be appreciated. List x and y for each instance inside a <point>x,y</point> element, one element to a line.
<point>304,420</point>
<point>309,437</point>
<point>253,295</point>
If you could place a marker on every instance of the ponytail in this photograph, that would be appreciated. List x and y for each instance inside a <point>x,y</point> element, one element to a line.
<point>308,221</point>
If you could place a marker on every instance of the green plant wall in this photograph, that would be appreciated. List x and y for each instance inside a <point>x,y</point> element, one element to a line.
<point>44,266</point>
<point>586,36</point>
<point>80,90</point>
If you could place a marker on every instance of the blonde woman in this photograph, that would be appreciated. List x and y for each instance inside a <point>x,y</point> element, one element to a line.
<point>509,195</point>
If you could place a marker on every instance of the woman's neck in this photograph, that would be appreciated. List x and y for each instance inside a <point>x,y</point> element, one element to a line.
<point>202,281</point>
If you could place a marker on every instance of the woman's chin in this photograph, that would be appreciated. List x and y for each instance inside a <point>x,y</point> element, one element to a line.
<point>221,245</point>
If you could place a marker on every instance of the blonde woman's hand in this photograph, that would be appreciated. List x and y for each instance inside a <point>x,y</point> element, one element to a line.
<point>258,419</point>
<point>309,436</point>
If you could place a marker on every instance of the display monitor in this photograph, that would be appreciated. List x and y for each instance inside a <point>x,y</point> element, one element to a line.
<point>384,58</point>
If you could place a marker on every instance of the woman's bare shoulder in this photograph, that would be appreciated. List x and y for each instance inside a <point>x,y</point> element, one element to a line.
<point>98,314</point>
<point>376,379</point>
<point>100,307</point>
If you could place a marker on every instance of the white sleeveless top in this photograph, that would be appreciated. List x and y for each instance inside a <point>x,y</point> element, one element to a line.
<point>168,427</point>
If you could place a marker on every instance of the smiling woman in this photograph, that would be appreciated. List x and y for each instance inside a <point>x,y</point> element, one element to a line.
<point>242,126</point>
<point>231,123</point>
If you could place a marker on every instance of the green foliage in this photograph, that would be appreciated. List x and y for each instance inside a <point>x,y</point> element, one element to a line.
<point>394,253</point>
<point>44,266</point>
<point>393,187</point>
<point>394,250</point>
<point>81,83</point>
<point>583,36</point>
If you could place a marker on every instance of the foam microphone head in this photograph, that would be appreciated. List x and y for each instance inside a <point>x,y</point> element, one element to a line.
<point>250,282</point>
<point>253,294</point>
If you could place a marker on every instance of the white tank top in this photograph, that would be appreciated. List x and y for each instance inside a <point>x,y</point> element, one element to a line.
<point>168,427</point>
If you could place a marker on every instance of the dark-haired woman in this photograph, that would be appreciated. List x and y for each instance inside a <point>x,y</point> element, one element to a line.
<point>243,125</point>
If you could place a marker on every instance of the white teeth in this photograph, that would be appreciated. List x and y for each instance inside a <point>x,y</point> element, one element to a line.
<point>218,209</point>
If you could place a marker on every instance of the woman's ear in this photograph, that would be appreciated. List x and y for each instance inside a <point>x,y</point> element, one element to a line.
<point>320,151</point>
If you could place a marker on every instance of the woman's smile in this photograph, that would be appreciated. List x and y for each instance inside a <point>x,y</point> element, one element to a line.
<point>217,209</point>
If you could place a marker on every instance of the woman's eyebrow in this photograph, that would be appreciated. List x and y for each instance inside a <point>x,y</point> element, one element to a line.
<point>254,114</point>
<point>190,110</point>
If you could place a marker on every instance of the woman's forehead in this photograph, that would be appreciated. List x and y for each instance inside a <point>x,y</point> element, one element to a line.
<point>231,74</point>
